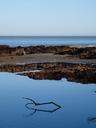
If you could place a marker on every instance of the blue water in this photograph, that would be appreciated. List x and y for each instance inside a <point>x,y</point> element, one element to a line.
<point>28,40</point>
<point>78,103</point>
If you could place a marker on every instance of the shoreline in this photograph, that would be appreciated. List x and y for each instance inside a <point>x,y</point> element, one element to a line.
<point>50,62</point>
<point>61,50</point>
<point>47,45</point>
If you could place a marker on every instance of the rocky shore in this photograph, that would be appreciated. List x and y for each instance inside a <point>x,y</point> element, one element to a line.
<point>77,64</point>
<point>81,52</point>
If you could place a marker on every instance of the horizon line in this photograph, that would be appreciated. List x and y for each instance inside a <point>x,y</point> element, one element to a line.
<point>47,35</point>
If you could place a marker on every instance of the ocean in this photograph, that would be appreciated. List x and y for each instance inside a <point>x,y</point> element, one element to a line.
<point>47,40</point>
<point>77,101</point>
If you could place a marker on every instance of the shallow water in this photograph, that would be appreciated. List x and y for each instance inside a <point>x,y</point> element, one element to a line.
<point>77,101</point>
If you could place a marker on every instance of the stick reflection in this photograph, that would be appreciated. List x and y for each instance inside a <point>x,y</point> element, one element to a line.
<point>91,119</point>
<point>32,102</point>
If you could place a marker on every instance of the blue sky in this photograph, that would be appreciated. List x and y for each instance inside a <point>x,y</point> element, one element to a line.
<point>47,17</point>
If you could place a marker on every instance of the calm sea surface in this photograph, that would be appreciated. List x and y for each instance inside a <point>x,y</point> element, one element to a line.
<point>77,101</point>
<point>46,40</point>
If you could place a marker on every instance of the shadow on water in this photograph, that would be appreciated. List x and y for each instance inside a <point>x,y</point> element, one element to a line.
<point>91,120</point>
<point>36,104</point>
<point>94,91</point>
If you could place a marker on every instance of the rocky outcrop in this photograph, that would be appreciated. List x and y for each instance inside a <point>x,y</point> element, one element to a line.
<point>81,52</point>
<point>77,72</point>
<point>83,73</point>
<point>80,77</point>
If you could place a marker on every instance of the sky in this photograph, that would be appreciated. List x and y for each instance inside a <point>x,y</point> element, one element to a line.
<point>48,17</point>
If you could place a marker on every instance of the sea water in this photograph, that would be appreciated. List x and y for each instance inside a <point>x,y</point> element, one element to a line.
<point>47,40</point>
<point>77,101</point>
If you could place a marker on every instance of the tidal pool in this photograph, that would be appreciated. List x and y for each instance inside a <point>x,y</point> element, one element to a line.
<point>77,101</point>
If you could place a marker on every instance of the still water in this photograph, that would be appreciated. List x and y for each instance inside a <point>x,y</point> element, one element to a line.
<point>77,101</point>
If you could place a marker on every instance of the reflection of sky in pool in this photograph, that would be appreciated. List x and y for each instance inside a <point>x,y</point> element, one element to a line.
<point>78,103</point>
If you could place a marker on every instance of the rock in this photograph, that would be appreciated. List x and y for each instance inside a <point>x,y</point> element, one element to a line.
<point>82,73</point>
<point>84,53</point>
<point>77,72</point>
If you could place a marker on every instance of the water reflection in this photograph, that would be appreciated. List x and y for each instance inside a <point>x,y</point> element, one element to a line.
<point>91,119</point>
<point>35,106</point>
<point>79,103</point>
<point>94,91</point>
